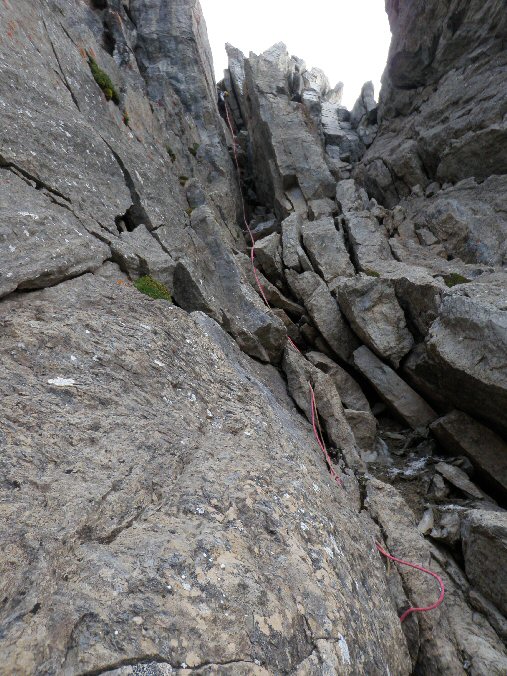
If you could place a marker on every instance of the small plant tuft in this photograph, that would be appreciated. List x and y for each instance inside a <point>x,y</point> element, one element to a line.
<point>193,149</point>
<point>454,278</point>
<point>104,81</point>
<point>371,273</point>
<point>126,118</point>
<point>152,288</point>
<point>171,154</point>
<point>183,180</point>
<point>189,211</point>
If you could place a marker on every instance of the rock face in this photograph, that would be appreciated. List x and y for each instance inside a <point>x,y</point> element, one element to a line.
<point>485,551</point>
<point>440,121</point>
<point>460,434</point>
<point>197,487</point>
<point>402,399</point>
<point>137,518</point>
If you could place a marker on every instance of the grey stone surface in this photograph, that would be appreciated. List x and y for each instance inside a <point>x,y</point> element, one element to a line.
<point>291,235</point>
<point>286,152</point>
<point>209,280</point>
<point>350,391</point>
<point>459,479</point>
<point>325,246</point>
<point>418,293</point>
<point>399,396</point>
<point>452,638</point>
<point>268,253</point>
<point>324,311</point>
<point>319,208</point>
<point>115,519</point>
<point>41,243</point>
<point>273,295</point>
<point>460,434</point>
<point>484,536</point>
<point>300,375</point>
<point>367,240</point>
<point>159,490</point>
<point>440,98</point>
<point>468,219</point>
<point>371,307</point>
<point>364,428</point>
<point>350,196</point>
<point>140,253</point>
<point>466,350</point>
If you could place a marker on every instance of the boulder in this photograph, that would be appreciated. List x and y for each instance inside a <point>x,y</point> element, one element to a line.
<point>325,246</point>
<point>350,391</point>
<point>324,311</point>
<point>417,291</point>
<point>374,313</point>
<point>460,434</point>
<point>208,279</point>
<point>394,391</point>
<point>465,352</point>
<point>484,537</point>
<point>140,253</point>
<point>318,209</point>
<point>367,240</point>
<point>291,234</point>
<point>268,253</point>
<point>459,479</point>
<point>452,635</point>
<point>286,150</point>
<point>364,428</point>
<point>350,196</point>
<point>300,375</point>
<point>273,295</point>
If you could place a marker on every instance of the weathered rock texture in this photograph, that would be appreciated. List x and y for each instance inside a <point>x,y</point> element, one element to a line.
<point>152,519</point>
<point>164,504</point>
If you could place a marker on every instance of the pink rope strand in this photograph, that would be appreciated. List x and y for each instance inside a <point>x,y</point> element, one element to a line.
<point>423,570</point>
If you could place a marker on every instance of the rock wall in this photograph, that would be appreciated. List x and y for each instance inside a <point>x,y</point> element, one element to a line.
<point>165,506</point>
<point>443,131</point>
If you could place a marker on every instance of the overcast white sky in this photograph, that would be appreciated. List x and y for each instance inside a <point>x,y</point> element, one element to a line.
<point>348,39</point>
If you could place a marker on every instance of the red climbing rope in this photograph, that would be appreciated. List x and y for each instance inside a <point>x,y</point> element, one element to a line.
<point>245,220</point>
<point>320,441</point>
<point>423,570</point>
<point>314,413</point>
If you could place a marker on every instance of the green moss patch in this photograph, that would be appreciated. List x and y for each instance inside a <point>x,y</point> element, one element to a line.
<point>104,81</point>
<point>152,288</point>
<point>455,278</point>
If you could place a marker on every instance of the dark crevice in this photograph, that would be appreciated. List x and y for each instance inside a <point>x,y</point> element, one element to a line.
<point>108,41</point>
<point>128,12</point>
<point>348,244</point>
<point>111,537</point>
<point>63,77</point>
<point>136,213</point>
<point>157,659</point>
<point>39,185</point>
